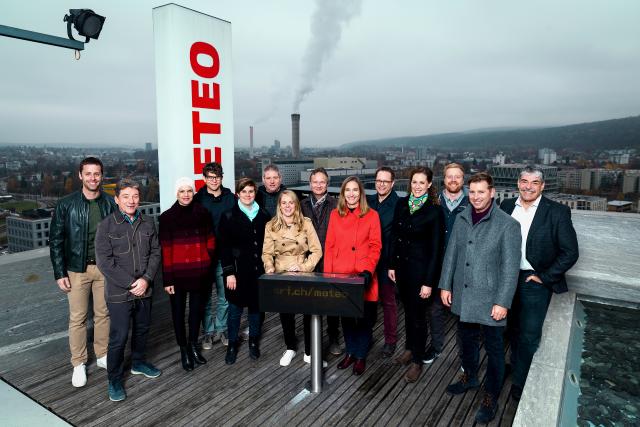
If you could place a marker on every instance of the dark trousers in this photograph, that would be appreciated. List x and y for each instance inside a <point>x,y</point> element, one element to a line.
<point>233,322</point>
<point>197,302</point>
<point>138,314</point>
<point>525,321</point>
<point>333,328</point>
<point>437,320</point>
<point>416,310</point>
<point>288,321</point>
<point>358,332</point>
<point>387,290</point>
<point>494,347</point>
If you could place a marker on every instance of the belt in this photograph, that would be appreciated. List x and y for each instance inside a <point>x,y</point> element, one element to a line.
<point>91,262</point>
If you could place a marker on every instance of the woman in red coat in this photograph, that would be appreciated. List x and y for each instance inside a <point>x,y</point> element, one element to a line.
<point>186,237</point>
<point>353,246</point>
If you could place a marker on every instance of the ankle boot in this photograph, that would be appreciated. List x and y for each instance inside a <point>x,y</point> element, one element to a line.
<point>187,363</point>
<point>194,352</point>
<point>232,353</point>
<point>254,348</point>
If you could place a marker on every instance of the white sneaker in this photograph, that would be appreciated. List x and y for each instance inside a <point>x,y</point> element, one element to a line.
<point>79,378</point>
<point>102,362</point>
<point>286,358</point>
<point>307,359</point>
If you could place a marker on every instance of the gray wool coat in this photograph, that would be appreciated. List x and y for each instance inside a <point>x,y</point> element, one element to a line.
<point>481,265</point>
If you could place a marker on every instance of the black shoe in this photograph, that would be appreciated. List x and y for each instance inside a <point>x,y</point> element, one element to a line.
<point>430,355</point>
<point>194,352</point>
<point>465,383</point>
<point>515,392</point>
<point>488,409</point>
<point>232,353</point>
<point>388,350</point>
<point>254,348</point>
<point>185,358</point>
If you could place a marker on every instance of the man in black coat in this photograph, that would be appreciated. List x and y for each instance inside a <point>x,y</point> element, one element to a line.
<point>549,250</point>
<point>318,207</point>
<point>268,192</point>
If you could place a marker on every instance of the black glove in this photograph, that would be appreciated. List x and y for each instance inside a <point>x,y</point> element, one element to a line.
<point>367,277</point>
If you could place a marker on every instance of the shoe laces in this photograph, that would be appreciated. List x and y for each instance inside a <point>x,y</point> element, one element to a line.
<point>464,378</point>
<point>487,400</point>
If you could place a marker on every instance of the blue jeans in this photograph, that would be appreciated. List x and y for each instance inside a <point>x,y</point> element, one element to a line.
<point>525,321</point>
<point>235,313</point>
<point>358,332</point>
<point>494,347</point>
<point>219,324</point>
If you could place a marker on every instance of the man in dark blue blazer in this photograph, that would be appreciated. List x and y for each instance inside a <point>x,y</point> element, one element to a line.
<point>549,250</point>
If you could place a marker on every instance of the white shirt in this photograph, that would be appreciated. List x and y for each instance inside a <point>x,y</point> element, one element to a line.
<point>525,218</point>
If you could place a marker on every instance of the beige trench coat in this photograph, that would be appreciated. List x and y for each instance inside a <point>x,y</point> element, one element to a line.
<point>288,247</point>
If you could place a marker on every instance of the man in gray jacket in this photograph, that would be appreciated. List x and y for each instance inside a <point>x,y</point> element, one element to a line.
<point>478,281</point>
<point>128,255</point>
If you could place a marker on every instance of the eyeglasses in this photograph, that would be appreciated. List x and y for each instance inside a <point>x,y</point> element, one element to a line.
<point>213,178</point>
<point>381,182</point>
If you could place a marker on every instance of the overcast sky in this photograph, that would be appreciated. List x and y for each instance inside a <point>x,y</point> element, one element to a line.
<point>397,69</point>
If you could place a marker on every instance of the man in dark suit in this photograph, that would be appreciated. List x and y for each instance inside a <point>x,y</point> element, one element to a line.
<point>549,249</point>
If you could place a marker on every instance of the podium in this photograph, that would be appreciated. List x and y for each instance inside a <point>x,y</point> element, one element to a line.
<point>317,294</point>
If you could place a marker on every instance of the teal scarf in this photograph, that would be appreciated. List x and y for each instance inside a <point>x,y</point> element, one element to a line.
<point>416,203</point>
<point>250,213</point>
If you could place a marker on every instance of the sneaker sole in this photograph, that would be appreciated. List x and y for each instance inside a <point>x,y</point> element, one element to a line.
<point>134,372</point>
<point>117,400</point>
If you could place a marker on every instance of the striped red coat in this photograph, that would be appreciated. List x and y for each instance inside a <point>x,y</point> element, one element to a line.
<point>187,241</point>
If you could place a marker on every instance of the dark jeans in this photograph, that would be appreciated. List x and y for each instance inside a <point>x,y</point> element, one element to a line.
<point>387,290</point>
<point>333,328</point>
<point>121,315</point>
<point>437,320</point>
<point>525,321</point>
<point>233,322</point>
<point>494,347</point>
<point>197,301</point>
<point>415,320</point>
<point>288,321</point>
<point>358,332</point>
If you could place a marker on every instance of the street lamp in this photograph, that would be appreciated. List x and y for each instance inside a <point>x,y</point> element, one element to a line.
<point>86,22</point>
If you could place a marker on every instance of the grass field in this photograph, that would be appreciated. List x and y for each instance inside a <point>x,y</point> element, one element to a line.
<point>19,206</point>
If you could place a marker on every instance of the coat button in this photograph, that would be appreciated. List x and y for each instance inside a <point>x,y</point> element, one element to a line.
<point>353,248</point>
<point>255,243</point>
<point>255,255</point>
<point>283,244</point>
<point>470,242</point>
<point>466,286</point>
<point>467,264</point>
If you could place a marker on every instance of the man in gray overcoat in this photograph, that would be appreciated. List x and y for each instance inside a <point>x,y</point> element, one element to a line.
<point>478,281</point>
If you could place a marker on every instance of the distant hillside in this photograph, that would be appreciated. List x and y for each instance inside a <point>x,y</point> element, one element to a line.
<point>607,134</point>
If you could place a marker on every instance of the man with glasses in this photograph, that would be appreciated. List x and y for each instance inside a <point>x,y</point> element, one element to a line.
<point>217,199</point>
<point>549,249</point>
<point>384,202</point>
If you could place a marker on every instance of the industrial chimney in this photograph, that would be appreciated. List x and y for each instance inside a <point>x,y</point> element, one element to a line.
<point>251,142</point>
<point>295,135</point>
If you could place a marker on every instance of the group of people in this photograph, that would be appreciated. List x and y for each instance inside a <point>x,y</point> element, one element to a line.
<point>434,250</point>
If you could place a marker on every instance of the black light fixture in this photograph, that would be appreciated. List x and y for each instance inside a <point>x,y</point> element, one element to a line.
<point>86,22</point>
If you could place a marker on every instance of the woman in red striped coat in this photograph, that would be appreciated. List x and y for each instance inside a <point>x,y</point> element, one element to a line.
<point>186,237</point>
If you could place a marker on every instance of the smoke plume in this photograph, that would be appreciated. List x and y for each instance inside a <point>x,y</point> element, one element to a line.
<point>327,23</point>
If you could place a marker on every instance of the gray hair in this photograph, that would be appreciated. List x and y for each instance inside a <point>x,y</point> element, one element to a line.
<point>126,183</point>
<point>532,170</point>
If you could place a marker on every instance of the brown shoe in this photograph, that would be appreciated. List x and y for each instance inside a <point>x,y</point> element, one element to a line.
<point>405,358</point>
<point>413,373</point>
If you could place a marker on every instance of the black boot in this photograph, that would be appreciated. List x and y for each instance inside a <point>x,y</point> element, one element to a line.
<point>232,353</point>
<point>194,352</point>
<point>187,363</point>
<point>254,348</point>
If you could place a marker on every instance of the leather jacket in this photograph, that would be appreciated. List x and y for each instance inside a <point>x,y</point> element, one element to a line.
<point>69,230</point>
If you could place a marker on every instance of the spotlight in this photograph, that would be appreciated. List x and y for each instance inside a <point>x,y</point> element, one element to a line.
<point>86,22</point>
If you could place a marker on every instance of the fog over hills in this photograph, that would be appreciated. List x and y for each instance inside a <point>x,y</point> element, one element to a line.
<point>606,134</point>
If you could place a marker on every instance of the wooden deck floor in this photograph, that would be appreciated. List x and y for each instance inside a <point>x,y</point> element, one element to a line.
<point>258,393</point>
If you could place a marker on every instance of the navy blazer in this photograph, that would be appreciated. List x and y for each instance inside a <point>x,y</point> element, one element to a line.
<point>552,245</point>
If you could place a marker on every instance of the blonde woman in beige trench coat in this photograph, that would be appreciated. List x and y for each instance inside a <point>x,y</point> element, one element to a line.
<point>291,244</point>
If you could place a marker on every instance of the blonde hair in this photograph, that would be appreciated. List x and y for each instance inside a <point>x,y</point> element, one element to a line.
<point>277,223</point>
<point>342,202</point>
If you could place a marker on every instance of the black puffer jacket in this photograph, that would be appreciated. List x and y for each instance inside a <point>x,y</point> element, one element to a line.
<point>69,230</point>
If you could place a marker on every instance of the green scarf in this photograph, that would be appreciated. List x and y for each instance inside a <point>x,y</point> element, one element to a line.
<point>416,203</point>
<point>250,213</point>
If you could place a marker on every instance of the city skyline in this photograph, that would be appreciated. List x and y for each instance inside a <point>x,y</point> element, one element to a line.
<point>423,68</point>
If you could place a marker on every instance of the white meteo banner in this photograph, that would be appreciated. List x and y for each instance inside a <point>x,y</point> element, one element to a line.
<point>193,96</point>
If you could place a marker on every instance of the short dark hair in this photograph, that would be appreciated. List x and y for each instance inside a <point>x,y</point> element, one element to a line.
<point>126,183</point>
<point>386,169</point>
<point>319,170</point>
<point>481,176</point>
<point>245,182</point>
<point>271,167</point>
<point>212,168</point>
<point>91,161</point>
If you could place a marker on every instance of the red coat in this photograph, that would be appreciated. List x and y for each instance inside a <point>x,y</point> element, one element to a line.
<point>353,245</point>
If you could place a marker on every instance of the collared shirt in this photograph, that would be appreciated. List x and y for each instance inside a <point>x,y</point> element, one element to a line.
<point>128,219</point>
<point>525,218</point>
<point>452,204</point>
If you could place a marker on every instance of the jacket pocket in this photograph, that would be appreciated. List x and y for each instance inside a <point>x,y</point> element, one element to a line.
<point>119,243</point>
